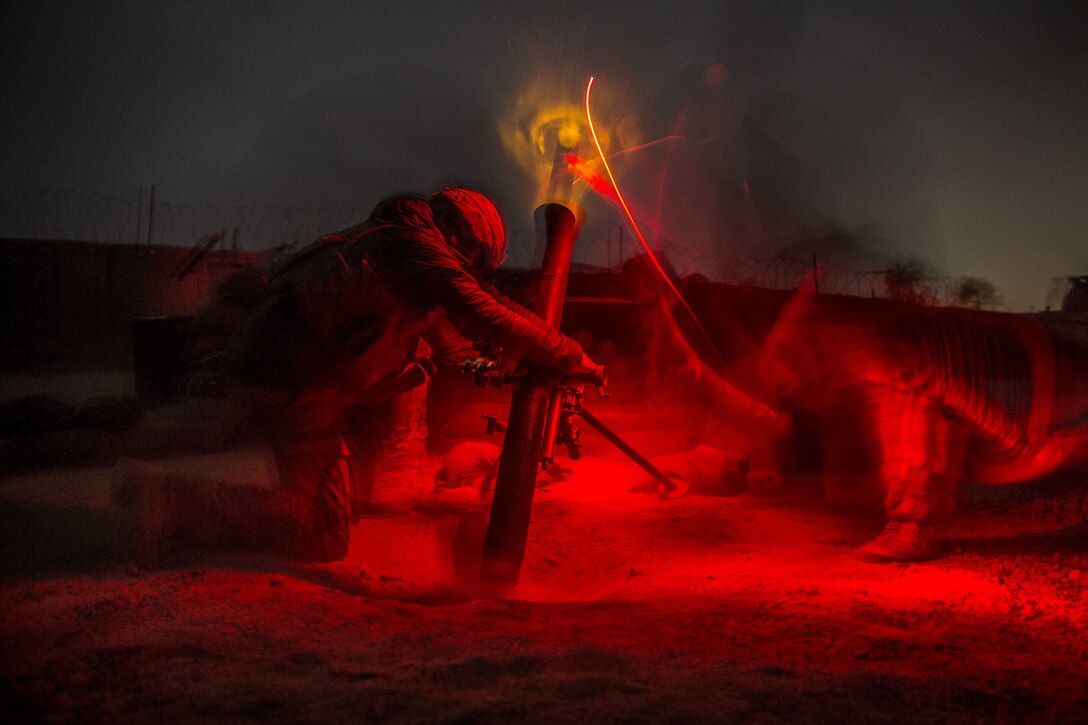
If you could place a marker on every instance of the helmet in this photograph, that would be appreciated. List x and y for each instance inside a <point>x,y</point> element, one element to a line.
<point>472,224</point>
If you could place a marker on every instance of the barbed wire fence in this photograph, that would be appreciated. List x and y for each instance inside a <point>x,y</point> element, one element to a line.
<point>777,271</point>
<point>786,273</point>
<point>781,272</point>
<point>27,213</point>
<point>72,215</point>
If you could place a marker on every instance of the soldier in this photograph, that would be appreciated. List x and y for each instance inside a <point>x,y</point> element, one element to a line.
<point>337,331</point>
<point>912,400</point>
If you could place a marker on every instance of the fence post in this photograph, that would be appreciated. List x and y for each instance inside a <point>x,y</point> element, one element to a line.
<point>150,214</point>
<point>139,214</point>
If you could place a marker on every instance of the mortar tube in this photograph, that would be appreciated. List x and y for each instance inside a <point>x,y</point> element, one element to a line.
<point>559,223</point>
<point>512,503</point>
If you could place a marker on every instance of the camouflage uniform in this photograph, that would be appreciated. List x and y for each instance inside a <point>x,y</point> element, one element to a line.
<point>342,318</point>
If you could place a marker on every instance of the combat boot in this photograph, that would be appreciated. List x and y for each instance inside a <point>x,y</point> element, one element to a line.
<point>900,541</point>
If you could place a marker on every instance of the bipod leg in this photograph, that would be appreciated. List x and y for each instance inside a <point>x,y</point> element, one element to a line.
<point>668,488</point>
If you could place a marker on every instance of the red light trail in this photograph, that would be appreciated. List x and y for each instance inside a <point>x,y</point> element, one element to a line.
<point>611,190</point>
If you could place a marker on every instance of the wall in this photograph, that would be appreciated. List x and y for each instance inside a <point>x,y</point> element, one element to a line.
<point>68,306</point>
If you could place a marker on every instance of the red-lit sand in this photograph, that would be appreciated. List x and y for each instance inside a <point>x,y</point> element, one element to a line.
<point>630,609</point>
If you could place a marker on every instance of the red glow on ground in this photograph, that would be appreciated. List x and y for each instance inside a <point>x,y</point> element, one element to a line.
<point>630,608</point>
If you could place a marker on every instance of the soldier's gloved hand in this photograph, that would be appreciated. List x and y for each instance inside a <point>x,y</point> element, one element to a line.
<point>484,372</point>
<point>477,365</point>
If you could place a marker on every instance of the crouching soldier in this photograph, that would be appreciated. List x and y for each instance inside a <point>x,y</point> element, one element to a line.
<point>337,332</point>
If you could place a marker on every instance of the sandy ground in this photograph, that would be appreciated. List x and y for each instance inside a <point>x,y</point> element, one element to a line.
<point>700,609</point>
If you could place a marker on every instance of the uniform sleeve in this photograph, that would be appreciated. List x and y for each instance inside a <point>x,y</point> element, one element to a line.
<point>436,276</point>
<point>449,345</point>
<point>513,306</point>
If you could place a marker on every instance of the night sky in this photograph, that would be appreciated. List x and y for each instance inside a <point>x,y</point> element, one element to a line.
<point>954,131</point>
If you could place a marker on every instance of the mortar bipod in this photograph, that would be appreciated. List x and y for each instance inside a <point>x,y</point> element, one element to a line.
<point>567,401</point>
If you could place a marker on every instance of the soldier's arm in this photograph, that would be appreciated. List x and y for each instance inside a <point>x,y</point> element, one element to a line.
<point>449,345</point>
<point>438,277</point>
